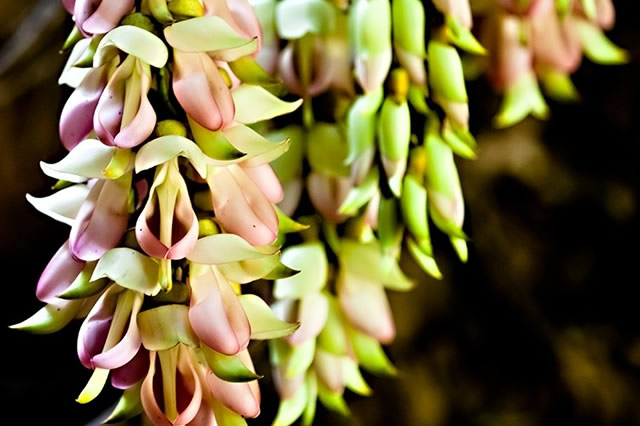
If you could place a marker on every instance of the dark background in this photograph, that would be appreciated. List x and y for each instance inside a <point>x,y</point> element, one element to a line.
<point>539,328</point>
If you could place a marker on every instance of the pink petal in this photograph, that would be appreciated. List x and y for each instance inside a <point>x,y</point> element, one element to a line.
<point>244,15</point>
<point>185,227</point>
<point>329,369</point>
<point>107,16</point>
<point>286,387</point>
<point>142,125</point>
<point>216,314</point>
<point>366,306</point>
<point>241,207</point>
<point>82,10</point>
<point>195,388</point>
<point>109,110</point>
<point>101,220</point>
<point>238,397</point>
<point>327,194</point>
<point>59,273</point>
<point>372,71</point>
<point>127,347</point>
<point>148,397</point>
<point>94,329</point>
<point>509,58</point>
<point>555,42</point>
<point>201,90</point>
<point>76,119</point>
<point>267,181</point>
<point>312,315</point>
<point>205,416</point>
<point>142,190</point>
<point>287,70</point>
<point>132,372</point>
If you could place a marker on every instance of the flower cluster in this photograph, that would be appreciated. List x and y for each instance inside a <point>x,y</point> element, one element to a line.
<point>182,175</point>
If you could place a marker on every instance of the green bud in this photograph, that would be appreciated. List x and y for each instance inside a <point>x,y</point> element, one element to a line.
<point>558,85</point>
<point>361,125</point>
<point>249,71</point>
<point>409,26</point>
<point>74,36</point>
<point>129,405</point>
<point>171,127</point>
<point>295,18</point>
<point>460,140</point>
<point>207,227</point>
<point>289,165</point>
<point>424,260</point>
<point>159,9</point>
<point>86,61</point>
<point>188,8</point>
<point>414,211</point>
<point>597,47</point>
<point>327,150</point>
<point>138,20</point>
<point>460,246</point>
<point>213,144</point>
<point>394,135</point>
<point>445,72</point>
<point>370,24</point>
<point>462,37</point>
<point>390,228</point>
<point>446,205</point>
<point>51,318</point>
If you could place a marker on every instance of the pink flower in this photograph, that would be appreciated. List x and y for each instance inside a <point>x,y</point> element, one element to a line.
<point>124,116</point>
<point>60,272</point>
<point>215,313</point>
<point>102,219</point>
<point>245,206</point>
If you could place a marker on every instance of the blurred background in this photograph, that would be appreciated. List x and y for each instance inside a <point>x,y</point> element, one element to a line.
<point>540,327</point>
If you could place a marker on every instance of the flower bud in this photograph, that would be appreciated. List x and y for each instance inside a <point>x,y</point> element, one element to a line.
<point>394,133</point>
<point>408,37</point>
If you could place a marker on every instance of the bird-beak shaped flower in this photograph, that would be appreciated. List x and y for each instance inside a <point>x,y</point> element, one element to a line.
<point>241,206</point>
<point>215,314</point>
<point>555,42</point>
<point>198,83</point>
<point>102,219</point>
<point>98,16</point>
<point>459,9</point>
<point>509,58</point>
<point>59,273</point>
<point>124,116</point>
<point>408,37</point>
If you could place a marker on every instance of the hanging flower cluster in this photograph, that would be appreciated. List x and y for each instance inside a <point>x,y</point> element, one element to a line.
<point>172,131</point>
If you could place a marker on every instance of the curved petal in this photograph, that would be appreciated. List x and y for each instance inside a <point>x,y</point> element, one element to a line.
<point>62,205</point>
<point>201,90</point>
<point>94,329</point>
<point>312,315</point>
<point>226,248</point>
<point>215,314</point>
<point>107,16</point>
<point>191,379</point>
<point>76,119</point>
<point>141,126</point>
<point>132,372</point>
<point>360,297</point>
<point>135,41</point>
<point>372,70</point>
<point>241,207</point>
<point>59,273</point>
<point>205,34</point>
<point>266,180</point>
<point>127,347</point>
<point>148,397</point>
<point>254,103</point>
<point>102,219</point>
<point>88,159</point>
<point>239,397</point>
<point>164,148</point>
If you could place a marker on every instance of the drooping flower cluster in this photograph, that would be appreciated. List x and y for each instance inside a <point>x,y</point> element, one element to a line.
<point>173,204</point>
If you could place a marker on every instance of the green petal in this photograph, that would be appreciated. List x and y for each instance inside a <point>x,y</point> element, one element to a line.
<point>520,100</point>
<point>353,378</point>
<point>361,124</point>
<point>281,271</point>
<point>311,383</point>
<point>370,354</point>
<point>134,41</point>
<point>461,142</point>
<point>332,338</point>
<point>254,103</point>
<point>301,358</point>
<point>259,149</point>
<point>334,401</point>
<point>87,160</point>
<point>94,386</point>
<point>413,204</point>
<point>290,409</point>
<point>597,47</point>
<point>164,148</point>
<point>287,225</point>
<point>206,34</point>
<point>130,269</point>
<point>295,18</point>
<point>214,144</point>
<point>225,248</point>
<point>360,195</point>
<point>128,406</point>
<point>327,150</point>
<point>370,25</point>
<point>445,72</point>
<point>247,271</point>
<point>462,37</point>
<point>460,246</point>
<point>264,323</point>
<point>424,260</point>
<point>393,278</point>
<point>558,85</point>
<point>164,327</point>
<point>82,286</point>
<point>289,165</point>
<point>229,368</point>
<point>248,70</point>
<point>409,25</point>
<point>225,416</point>
<point>311,260</point>
<point>51,318</point>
